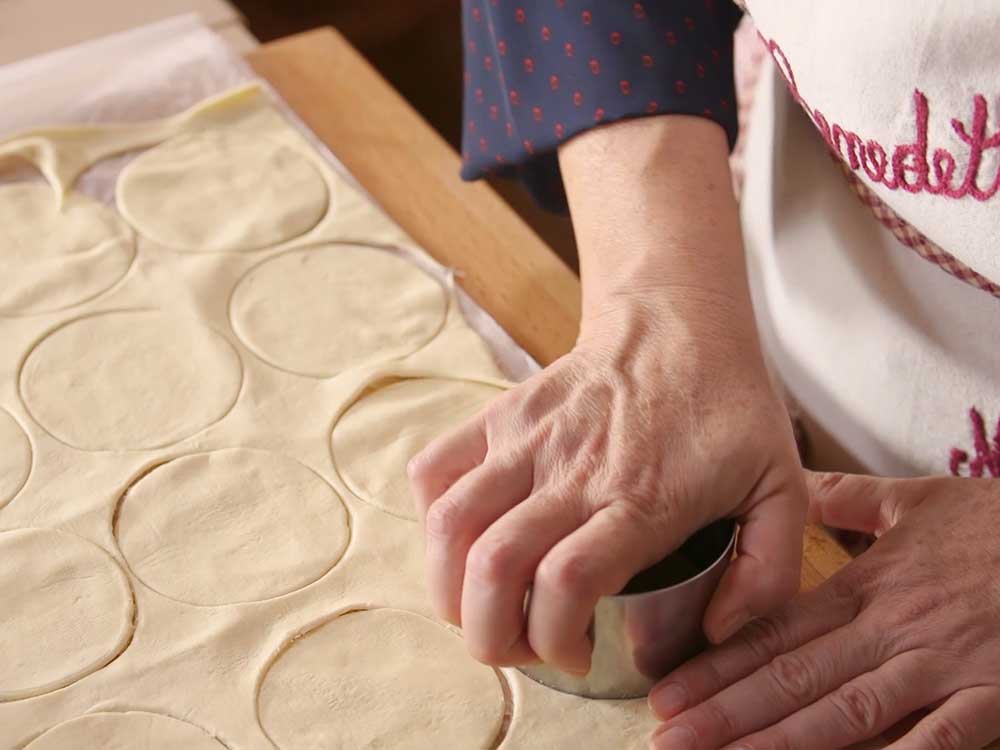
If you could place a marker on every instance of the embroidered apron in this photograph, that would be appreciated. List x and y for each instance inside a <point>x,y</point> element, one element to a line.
<point>881,315</point>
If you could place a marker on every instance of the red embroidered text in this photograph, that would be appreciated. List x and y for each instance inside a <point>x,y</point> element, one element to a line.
<point>987,458</point>
<point>909,167</point>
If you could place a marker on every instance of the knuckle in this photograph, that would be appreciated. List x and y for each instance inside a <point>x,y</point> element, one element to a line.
<point>794,678</point>
<point>889,510</point>
<point>763,637</point>
<point>420,467</point>
<point>491,561</point>
<point>842,592</point>
<point>944,733</point>
<point>718,719</point>
<point>486,651</point>
<point>901,496</point>
<point>861,708</point>
<point>443,522</point>
<point>496,415</point>
<point>825,483</point>
<point>913,608</point>
<point>861,583</point>
<point>780,740</point>
<point>571,575</point>
<point>639,511</point>
<point>774,738</point>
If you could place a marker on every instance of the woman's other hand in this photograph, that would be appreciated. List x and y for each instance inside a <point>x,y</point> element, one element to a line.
<point>912,624</point>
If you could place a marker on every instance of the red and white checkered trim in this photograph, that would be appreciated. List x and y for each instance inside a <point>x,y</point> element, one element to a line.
<point>912,237</point>
<point>750,56</point>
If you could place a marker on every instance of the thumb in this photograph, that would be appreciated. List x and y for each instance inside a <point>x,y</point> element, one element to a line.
<point>858,502</point>
<point>767,568</point>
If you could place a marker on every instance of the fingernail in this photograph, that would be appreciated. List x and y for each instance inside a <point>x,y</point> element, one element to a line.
<point>731,624</point>
<point>675,738</point>
<point>668,700</point>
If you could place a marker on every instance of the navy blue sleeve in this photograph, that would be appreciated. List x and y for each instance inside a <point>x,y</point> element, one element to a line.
<point>540,71</point>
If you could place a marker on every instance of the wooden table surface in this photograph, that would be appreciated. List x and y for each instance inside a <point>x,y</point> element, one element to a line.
<point>413,173</point>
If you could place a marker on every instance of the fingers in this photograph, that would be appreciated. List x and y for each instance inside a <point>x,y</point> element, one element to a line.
<point>858,709</point>
<point>968,720</point>
<point>872,505</point>
<point>444,461</point>
<point>455,520</point>
<point>805,618</point>
<point>788,683</point>
<point>766,571</point>
<point>500,567</point>
<point>596,560</point>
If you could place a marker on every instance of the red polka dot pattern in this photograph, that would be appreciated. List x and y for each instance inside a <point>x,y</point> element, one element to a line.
<point>538,73</point>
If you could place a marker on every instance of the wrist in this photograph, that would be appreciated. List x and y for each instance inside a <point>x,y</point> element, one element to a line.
<point>714,308</point>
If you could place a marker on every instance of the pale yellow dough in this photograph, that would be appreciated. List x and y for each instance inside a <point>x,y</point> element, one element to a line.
<point>378,435</point>
<point>67,611</point>
<point>229,432</point>
<point>380,678</point>
<point>53,256</point>
<point>216,191</point>
<point>231,526</point>
<point>15,457</point>
<point>130,380</point>
<point>134,730</point>
<point>320,310</point>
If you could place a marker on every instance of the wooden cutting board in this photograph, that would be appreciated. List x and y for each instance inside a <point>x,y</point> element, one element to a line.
<point>413,174</point>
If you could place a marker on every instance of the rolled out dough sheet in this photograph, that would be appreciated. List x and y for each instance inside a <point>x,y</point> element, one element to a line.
<point>320,310</point>
<point>318,693</point>
<point>230,526</point>
<point>45,572</point>
<point>130,730</point>
<point>57,256</point>
<point>210,454</point>
<point>211,191</point>
<point>377,435</point>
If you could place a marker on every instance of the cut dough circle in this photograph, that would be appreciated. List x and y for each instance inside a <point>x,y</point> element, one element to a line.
<point>228,526</point>
<point>131,730</point>
<point>217,191</point>
<point>51,257</point>
<point>15,457</point>
<point>316,311</point>
<point>67,611</point>
<point>130,380</point>
<point>380,678</point>
<point>376,436</point>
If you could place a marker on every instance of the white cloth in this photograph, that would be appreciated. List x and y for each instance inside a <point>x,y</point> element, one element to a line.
<point>884,351</point>
<point>906,91</point>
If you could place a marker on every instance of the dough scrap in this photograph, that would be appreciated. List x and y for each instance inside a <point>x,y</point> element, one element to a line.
<point>379,433</point>
<point>15,457</point>
<point>229,526</point>
<point>217,191</point>
<point>52,258</point>
<point>319,310</point>
<point>67,611</point>
<point>381,678</point>
<point>130,380</point>
<point>133,730</point>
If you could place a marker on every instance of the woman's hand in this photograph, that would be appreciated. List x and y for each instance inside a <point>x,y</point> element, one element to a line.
<point>659,421</point>
<point>600,466</point>
<point>911,624</point>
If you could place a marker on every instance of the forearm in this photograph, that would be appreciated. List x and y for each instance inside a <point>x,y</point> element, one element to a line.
<point>655,216</point>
